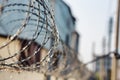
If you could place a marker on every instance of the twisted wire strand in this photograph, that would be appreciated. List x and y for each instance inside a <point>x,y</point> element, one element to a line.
<point>44,26</point>
<point>19,30</point>
<point>23,48</point>
<point>35,35</point>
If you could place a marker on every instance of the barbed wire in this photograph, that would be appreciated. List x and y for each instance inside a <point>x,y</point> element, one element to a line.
<point>30,12</point>
<point>31,23</point>
<point>103,57</point>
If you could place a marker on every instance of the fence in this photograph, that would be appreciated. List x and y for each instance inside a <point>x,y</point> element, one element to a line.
<point>29,41</point>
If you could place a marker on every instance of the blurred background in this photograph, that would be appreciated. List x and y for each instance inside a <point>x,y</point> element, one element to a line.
<point>59,39</point>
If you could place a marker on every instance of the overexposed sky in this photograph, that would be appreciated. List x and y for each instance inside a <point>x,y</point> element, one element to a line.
<point>92,23</point>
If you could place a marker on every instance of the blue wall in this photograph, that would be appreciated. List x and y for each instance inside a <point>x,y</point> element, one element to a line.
<point>64,20</point>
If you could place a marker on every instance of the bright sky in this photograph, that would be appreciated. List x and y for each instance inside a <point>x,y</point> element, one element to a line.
<point>92,23</point>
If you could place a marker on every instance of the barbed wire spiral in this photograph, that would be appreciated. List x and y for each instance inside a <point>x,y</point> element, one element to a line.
<point>32,24</point>
<point>30,39</point>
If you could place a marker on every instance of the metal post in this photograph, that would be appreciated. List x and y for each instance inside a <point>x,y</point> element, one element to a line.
<point>114,60</point>
<point>94,56</point>
<point>102,66</point>
<point>110,33</point>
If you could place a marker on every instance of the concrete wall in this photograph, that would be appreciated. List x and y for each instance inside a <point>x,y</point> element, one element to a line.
<point>10,49</point>
<point>12,74</point>
<point>23,75</point>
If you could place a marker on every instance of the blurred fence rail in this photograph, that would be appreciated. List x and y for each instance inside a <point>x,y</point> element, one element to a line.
<point>29,40</point>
